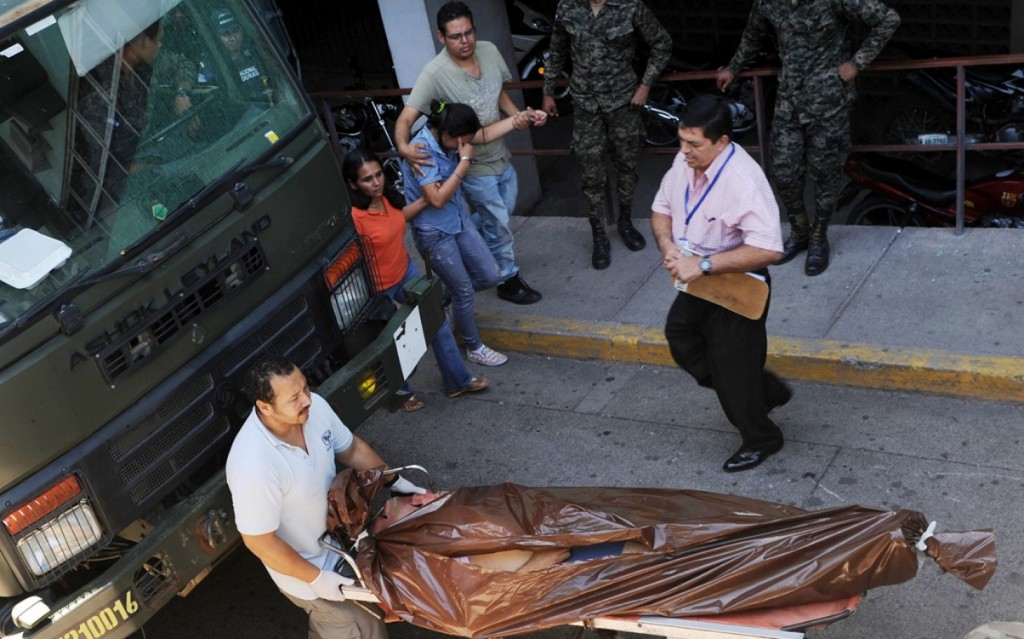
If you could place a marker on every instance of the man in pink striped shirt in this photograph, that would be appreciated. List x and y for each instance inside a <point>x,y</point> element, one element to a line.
<point>715,213</point>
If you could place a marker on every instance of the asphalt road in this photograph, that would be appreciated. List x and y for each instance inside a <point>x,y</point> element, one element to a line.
<point>550,422</point>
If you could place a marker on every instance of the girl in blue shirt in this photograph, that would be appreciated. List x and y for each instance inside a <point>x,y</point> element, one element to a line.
<point>443,232</point>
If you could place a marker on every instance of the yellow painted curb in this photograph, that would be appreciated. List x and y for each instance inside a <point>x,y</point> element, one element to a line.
<point>823,361</point>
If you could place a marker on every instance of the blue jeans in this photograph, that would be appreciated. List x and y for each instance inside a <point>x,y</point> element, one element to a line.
<point>465,266</point>
<point>454,374</point>
<point>492,199</point>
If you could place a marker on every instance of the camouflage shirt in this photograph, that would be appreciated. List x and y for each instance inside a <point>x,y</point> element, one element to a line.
<point>603,48</point>
<point>814,39</point>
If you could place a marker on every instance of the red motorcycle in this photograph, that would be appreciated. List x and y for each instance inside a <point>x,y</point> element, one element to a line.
<point>905,194</point>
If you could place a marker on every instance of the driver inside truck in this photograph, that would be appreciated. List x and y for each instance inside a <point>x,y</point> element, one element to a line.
<point>252,76</point>
<point>121,103</point>
<point>129,114</point>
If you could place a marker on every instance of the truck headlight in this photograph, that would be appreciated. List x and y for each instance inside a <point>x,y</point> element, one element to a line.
<point>57,542</point>
<point>350,282</point>
<point>54,527</point>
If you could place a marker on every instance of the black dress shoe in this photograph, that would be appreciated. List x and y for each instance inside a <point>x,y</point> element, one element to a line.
<point>517,291</point>
<point>747,458</point>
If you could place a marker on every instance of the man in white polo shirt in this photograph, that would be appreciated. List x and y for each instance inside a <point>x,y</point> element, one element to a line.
<point>279,471</point>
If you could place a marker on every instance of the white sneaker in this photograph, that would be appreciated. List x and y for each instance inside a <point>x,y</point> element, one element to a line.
<point>486,357</point>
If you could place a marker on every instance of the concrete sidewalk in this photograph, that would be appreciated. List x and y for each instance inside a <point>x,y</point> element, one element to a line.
<point>919,309</point>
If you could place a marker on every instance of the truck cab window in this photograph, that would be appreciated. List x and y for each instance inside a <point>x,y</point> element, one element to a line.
<point>113,117</point>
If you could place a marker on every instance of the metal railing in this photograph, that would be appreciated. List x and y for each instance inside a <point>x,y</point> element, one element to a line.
<point>959,147</point>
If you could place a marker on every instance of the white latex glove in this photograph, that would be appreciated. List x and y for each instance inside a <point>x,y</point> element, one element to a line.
<point>328,583</point>
<point>405,487</point>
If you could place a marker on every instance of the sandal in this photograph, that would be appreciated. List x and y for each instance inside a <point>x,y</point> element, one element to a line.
<point>412,404</point>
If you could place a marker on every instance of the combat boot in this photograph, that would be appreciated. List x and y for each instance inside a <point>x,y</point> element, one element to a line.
<point>602,257</point>
<point>798,237</point>
<point>817,248</point>
<point>631,237</point>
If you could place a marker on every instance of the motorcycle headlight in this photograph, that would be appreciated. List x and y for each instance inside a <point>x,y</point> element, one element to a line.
<point>1009,133</point>
<point>540,24</point>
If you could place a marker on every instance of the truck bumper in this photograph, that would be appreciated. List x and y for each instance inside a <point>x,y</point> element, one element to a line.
<point>370,378</point>
<point>188,540</point>
<point>196,533</point>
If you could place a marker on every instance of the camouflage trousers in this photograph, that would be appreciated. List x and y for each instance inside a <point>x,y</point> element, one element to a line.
<point>597,136</point>
<point>817,149</point>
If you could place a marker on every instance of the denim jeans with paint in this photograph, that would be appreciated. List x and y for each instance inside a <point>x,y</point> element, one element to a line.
<point>465,265</point>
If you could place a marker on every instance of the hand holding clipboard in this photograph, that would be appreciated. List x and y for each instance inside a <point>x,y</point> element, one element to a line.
<point>745,294</point>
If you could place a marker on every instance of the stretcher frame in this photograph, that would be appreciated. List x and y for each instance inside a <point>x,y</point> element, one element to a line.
<point>782,623</point>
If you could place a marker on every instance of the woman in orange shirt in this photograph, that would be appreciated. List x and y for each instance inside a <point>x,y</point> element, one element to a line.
<point>380,220</point>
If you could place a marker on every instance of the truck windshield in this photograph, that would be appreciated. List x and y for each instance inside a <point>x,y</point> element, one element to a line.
<point>112,114</point>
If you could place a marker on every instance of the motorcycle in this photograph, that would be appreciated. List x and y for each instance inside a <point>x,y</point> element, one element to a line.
<point>531,40</point>
<point>660,115</point>
<point>368,123</point>
<point>903,193</point>
<point>993,103</point>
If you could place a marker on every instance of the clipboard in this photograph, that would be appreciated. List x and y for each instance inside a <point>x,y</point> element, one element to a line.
<point>742,293</point>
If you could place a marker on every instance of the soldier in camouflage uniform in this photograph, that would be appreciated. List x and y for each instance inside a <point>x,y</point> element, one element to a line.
<point>811,127</point>
<point>601,36</point>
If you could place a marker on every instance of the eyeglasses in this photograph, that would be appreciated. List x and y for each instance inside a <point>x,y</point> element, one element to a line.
<point>465,35</point>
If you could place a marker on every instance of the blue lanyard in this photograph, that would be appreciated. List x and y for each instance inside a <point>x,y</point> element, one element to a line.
<point>686,197</point>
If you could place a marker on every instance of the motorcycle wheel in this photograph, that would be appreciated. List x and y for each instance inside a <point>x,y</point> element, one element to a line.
<point>349,119</point>
<point>660,127</point>
<point>917,118</point>
<point>660,116</point>
<point>874,210</point>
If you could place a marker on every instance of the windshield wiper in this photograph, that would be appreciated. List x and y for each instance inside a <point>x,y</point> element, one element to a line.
<point>141,264</point>
<point>231,180</point>
<point>145,263</point>
<point>69,317</point>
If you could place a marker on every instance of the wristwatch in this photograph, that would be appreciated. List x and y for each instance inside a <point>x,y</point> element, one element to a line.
<point>705,265</point>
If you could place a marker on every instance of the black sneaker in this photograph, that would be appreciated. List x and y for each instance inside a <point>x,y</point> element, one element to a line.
<point>517,291</point>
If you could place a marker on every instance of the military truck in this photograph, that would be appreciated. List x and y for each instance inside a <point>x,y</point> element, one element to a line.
<point>171,208</point>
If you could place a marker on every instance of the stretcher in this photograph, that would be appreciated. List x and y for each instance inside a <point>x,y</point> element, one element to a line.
<point>791,622</point>
<point>428,563</point>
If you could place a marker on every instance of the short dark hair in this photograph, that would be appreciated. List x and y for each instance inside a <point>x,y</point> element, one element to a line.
<point>452,11</point>
<point>453,118</point>
<point>710,113</point>
<point>256,384</point>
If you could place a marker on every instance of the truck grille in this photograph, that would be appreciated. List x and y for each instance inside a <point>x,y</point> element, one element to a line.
<point>190,393</point>
<point>175,435</point>
<point>162,466</point>
<point>282,333</point>
<point>190,423</point>
<point>168,323</point>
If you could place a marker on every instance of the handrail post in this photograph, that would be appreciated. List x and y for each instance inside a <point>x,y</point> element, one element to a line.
<point>961,156</point>
<point>332,130</point>
<point>759,115</point>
